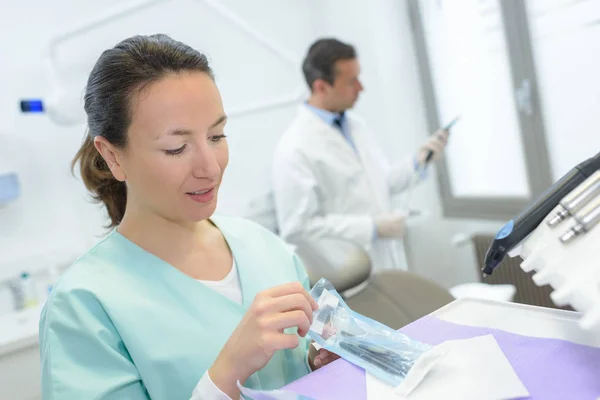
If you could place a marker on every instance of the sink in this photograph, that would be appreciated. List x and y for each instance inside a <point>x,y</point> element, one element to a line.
<point>19,329</point>
<point>20,367</point>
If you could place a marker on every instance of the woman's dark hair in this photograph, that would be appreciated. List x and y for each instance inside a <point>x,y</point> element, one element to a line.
<point>320,60</point>
<point>118,74</point>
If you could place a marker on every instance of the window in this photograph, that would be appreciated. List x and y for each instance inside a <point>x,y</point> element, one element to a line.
<point>475,61</point>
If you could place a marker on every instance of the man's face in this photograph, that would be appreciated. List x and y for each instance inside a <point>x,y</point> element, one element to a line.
<point>346,87</point>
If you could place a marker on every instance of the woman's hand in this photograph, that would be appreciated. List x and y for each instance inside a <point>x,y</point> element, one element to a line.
<point>261,333</point>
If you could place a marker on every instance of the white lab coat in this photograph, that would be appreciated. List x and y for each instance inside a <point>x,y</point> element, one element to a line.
<point>323,188</point>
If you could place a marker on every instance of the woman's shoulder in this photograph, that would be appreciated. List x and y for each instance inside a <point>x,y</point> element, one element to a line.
<point>88,274</point>
<point>251,233</point>
<point>243,226</point>
<point>263,250</point>
<point>91,287</point>
<point>92,260</point>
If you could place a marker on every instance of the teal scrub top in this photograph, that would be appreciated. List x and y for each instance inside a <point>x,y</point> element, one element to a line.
<point>123,324</point>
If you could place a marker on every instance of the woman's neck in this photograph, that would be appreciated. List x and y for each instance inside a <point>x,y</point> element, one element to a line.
<point>163,237</point>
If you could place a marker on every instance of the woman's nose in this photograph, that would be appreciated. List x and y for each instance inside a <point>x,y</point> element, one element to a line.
<point>206,164</point>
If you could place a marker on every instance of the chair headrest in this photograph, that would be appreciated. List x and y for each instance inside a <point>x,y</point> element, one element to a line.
<point>261,210</point>
<point>345,264</point>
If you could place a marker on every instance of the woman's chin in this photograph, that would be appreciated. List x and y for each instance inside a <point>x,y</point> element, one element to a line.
<point>203,212</point>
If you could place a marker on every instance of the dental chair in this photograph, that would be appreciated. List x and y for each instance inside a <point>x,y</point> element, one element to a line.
<point>392,297</point>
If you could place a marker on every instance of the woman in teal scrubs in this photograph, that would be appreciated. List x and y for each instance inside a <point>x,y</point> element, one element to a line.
<point>174,303</point>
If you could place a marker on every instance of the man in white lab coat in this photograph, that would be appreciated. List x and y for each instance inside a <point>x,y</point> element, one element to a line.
<point>330,180</point>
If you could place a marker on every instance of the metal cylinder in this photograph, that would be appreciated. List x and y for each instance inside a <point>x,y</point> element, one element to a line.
<point>577,199</point>
<point>587,218</point>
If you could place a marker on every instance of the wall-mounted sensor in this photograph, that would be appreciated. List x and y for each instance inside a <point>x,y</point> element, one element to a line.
<point>32,106</point>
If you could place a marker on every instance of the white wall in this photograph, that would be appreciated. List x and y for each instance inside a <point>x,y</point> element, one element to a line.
<point>54,214</point>
<point>54,211</point>
<point>51,215</point>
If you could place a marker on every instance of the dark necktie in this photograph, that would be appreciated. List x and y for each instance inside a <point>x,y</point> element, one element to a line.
<point>338,121</point>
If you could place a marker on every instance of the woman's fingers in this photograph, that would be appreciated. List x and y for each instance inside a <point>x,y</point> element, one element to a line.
<point>290,319</point>
<point>292,288</point>
<point>292,302</point>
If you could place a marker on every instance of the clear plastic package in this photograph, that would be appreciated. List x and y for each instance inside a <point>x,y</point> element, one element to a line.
<point>380,350</point>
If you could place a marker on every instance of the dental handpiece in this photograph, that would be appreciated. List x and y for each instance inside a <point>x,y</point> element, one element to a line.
<point>587,218</point>
<point>517,229</point>
<point>577,199</point>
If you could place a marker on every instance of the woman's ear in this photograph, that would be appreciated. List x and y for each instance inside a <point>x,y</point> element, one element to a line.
<point>112,157</point>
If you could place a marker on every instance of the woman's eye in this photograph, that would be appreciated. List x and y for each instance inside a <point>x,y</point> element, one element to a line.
<point>176,151</point>
<point>217,138</point>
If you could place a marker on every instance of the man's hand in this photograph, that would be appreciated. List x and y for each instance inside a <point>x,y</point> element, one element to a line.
<point>320,358</point>
<point>390,226</point>
<point>436,143</point>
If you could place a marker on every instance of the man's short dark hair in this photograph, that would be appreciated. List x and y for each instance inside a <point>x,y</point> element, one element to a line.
<point>320,60</point>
